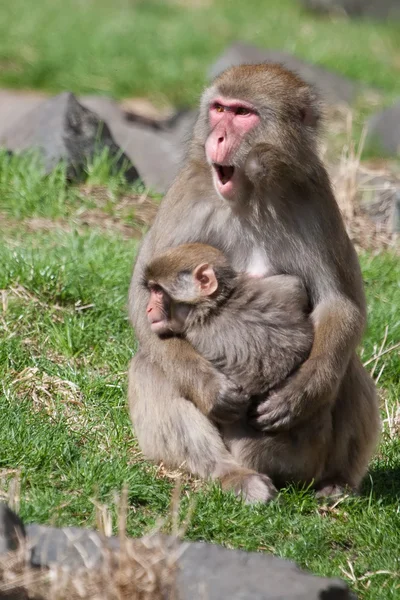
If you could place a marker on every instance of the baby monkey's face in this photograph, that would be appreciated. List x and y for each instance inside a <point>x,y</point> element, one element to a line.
<point>165,316</point>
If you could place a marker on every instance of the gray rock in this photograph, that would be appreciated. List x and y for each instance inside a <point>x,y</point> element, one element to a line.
<point>106,108</point>
<point>63,129</point>
<point>384,129</point>
<point>71,547</point>
<point>376,9</point>
<point>212,572</point>
<point>206,570</point>
<point>15,105</point>
<point>157,154</point>
<point>155,147</point>
<point>333,87</point>
<point>11,529</point>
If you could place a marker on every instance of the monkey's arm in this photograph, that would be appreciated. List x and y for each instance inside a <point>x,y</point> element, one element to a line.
<point>338,326</point>
<point>332,275</point>
<point>257,339</point>
<point>212,342</point>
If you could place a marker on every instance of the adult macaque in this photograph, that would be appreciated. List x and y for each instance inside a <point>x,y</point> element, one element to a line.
<point>255,331</point>
<point>254,187</point>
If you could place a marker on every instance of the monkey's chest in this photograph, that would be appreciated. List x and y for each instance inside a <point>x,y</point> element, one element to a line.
<point>248,255</point>
<point>258,264</point>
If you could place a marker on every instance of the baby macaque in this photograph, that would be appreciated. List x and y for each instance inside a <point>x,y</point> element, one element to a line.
<point>255,331</point>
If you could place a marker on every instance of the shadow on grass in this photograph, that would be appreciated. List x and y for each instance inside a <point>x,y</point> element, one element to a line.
<point>383,483</point>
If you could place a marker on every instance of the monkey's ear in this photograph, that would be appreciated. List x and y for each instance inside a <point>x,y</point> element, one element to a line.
<point>310,108</point>
<point>205,279</point>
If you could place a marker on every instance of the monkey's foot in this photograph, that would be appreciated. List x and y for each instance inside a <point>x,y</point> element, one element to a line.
<point>251,487</point>
<point>333,491</point>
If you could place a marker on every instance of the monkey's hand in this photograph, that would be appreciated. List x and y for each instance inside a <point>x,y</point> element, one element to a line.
<point>268,164</point>
<point>293,402</point>
<point>231,403</point>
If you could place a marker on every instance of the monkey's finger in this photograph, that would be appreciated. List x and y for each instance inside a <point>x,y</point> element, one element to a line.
<point>272,419</point>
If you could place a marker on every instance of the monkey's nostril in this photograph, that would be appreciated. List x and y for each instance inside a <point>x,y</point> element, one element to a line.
<point>220,140</point>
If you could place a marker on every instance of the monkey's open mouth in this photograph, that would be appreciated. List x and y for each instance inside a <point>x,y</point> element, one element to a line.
<point>224,173</point>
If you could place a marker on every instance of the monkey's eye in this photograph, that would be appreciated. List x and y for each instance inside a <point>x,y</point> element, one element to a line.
<point>242,111</point>
<point>154,288</point>
<point>218,107</point>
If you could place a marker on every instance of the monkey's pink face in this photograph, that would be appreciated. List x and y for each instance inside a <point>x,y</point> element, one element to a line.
<point>158,309</point>
<point>230,120</point>
<point>164,316</point>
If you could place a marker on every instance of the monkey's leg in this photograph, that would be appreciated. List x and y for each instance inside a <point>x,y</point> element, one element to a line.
<point>171,429</point>
<point>296,456</point>
<point>356,426</point>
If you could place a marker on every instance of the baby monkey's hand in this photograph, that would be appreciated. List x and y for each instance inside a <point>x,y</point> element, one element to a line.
<point>231,403</point>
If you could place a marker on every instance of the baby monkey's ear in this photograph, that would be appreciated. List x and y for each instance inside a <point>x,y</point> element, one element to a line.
<point>205,279</point>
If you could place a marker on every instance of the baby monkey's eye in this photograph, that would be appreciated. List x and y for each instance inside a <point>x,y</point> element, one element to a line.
<point>242,110</point>
<point>218,107</point>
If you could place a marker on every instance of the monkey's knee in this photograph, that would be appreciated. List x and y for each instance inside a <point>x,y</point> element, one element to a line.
<point>252,487</point>
<point>171,429</point>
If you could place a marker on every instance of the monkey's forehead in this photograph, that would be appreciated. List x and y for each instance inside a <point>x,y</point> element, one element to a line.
<point>184,257</point>
<point>259,82</point>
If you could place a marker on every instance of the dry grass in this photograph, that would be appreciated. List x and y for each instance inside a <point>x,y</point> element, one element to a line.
<point>143,569</point>
<point>353,182</point>
<point>55,396</point>
<point>129,216</point>
<point>139,569</point>
<point>42,388</point>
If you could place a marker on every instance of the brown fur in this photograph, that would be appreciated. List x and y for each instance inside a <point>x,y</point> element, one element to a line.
<point>255,331</point>
<point>323,423</point>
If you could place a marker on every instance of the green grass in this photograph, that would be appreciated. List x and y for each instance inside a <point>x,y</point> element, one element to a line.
<point>163,48</point>
<point>65,425</point>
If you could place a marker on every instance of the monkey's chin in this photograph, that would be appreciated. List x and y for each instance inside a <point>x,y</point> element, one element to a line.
<point>160,328</point>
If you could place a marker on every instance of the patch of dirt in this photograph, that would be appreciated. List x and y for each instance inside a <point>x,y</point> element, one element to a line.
<point>129,216</point>
<point>34,224</point>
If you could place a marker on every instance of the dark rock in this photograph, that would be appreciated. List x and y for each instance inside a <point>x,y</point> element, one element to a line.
<point>384,129</point>
<point>206,570</point>
<point>11,529</point>
<point>63,129</point>
<point>333,87</point>
<point>376,9</point>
